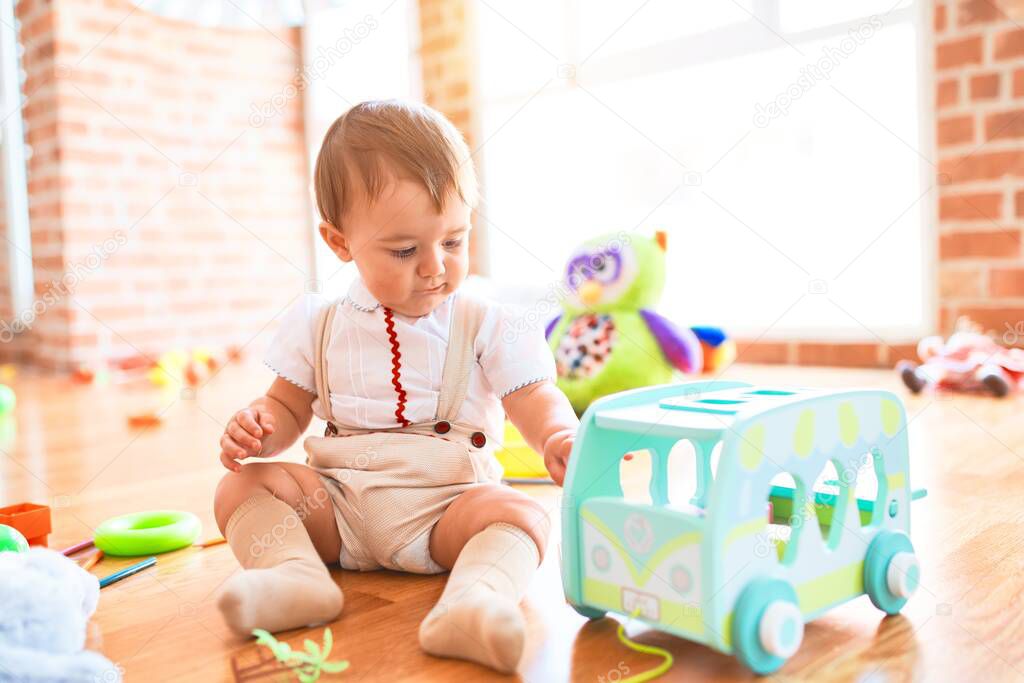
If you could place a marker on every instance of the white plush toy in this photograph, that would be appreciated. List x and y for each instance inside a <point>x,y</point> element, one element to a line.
<point>46,601</point>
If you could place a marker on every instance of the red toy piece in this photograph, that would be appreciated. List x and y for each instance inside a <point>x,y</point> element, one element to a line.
<point>83,374</point>
<point>144,420</point>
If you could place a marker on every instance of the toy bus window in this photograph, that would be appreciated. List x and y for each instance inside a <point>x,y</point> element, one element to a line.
<point>770,392</point>
<point>682,474</point>
<point>716,455</point>
<point>832,501</point>
<point>827,489</point>
<point>720,401</point>
<point>870,489</point>
<point>787,513</point>
<point>635,476</point>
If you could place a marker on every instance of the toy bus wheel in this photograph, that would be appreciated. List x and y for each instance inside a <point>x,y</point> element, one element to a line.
<point>588,612</point>
<point>767,625</point>
<point>891,571</point>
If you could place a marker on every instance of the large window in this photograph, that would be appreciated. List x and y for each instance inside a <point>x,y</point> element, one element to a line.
<point>778,142</point>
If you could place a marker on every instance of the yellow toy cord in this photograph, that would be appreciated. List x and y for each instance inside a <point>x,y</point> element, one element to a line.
<point>647,650</point>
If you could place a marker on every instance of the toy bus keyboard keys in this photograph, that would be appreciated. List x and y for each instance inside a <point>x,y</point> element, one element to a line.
<point>749,559</point>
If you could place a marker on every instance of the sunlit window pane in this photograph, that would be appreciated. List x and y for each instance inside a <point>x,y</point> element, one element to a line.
<point>794,220</point>
<point>800,15</point>
<point>613,27</point>
<point>521,45</point>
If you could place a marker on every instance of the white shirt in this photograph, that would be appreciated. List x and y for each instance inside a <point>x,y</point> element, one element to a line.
<point>510,355</point>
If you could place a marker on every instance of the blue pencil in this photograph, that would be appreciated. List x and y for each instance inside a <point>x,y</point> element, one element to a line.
<point>127,571</point>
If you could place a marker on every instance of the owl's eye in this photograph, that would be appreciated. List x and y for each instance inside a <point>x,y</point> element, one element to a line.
<point>604,267</point>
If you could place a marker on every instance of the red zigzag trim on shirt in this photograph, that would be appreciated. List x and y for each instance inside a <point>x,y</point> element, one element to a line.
<point>396,365</point>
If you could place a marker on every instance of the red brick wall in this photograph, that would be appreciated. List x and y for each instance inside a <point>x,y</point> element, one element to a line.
<point>448,59</point>
<point>979,59</point>
<point>179,218</point>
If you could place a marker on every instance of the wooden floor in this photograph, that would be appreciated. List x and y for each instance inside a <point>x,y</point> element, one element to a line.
<point>71,448</point>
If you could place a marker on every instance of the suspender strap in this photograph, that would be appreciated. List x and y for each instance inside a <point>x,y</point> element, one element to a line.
<point>461,356</point>
<point>323,337</point>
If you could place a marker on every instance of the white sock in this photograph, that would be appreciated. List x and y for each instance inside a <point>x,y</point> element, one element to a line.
<point>478,616</point>
<point>284,584</point>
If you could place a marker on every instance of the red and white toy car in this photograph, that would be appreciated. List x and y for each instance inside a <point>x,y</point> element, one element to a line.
<point>969,361</point>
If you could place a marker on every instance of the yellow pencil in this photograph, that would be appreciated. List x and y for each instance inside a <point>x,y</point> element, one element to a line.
<point>211,542</point>
<point>91,561</point>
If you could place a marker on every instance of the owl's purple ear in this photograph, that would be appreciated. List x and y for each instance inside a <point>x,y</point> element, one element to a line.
<point>661,237</point>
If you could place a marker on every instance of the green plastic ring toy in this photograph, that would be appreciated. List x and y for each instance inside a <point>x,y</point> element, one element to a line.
<point>147,533</point>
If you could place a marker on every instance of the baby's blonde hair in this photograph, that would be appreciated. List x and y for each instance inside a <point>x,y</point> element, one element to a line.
<point>379,139</point>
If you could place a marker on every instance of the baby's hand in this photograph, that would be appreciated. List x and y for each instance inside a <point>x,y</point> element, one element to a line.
<point>556,453</point>
<point>243,437</point>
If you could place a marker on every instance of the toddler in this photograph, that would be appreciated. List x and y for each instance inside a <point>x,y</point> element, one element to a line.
<point>414,379</point>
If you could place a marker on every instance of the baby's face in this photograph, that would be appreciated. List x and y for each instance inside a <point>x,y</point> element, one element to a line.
<point>410,256</point>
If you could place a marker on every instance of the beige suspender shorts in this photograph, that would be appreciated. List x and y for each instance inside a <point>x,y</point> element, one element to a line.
<point>389,487</point>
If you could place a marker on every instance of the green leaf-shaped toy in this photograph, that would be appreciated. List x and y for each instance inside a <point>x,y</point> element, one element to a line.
<point>307,665</point>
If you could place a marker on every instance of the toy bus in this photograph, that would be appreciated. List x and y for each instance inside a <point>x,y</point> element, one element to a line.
<point>713,569</point>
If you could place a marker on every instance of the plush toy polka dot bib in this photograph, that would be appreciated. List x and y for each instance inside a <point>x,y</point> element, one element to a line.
<point>583,351</point>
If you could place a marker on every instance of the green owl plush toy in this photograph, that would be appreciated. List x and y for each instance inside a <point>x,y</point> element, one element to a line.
<point>609,338</point>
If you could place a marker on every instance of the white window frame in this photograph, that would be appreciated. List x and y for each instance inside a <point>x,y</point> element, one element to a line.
<point>20,275</point>
<point>327,276</point>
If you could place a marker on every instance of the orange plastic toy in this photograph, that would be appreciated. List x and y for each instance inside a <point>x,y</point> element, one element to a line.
<point>33,521</point>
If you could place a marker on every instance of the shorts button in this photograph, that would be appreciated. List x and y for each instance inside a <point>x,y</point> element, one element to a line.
<point>442,427</point>
<point>478,439</point>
